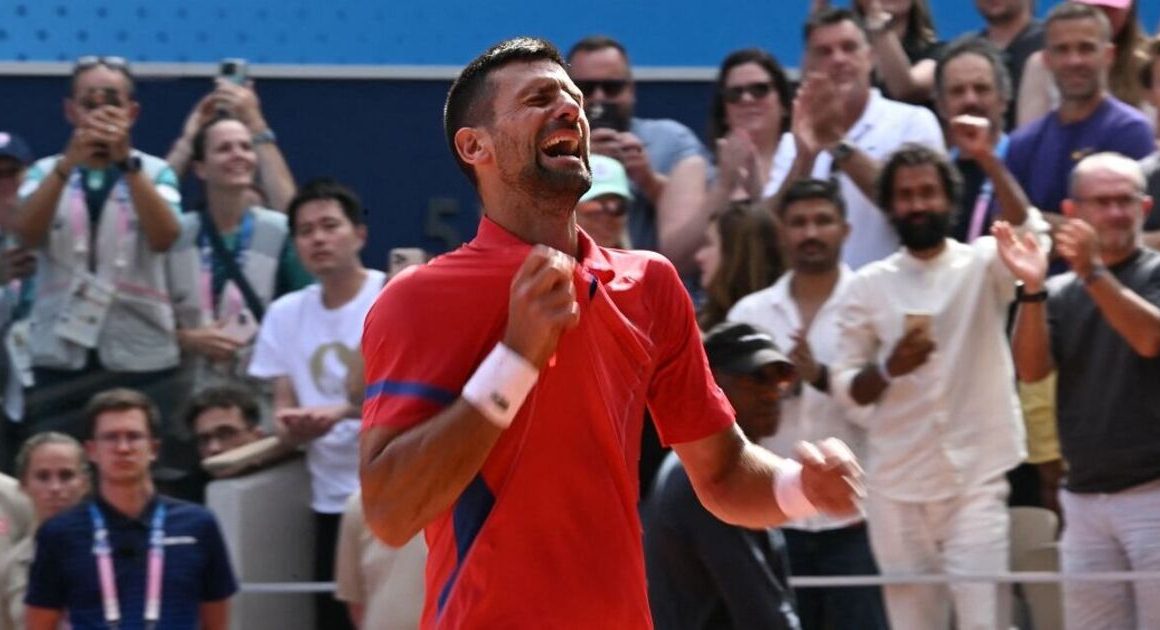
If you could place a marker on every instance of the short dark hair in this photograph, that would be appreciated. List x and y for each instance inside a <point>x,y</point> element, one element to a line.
<point>982,48</point>
<point>223,397</point>
<point>830,16</point>
<point>121,399</point>
<point>593,43</point>
<point>912,154</point>
<point>326,188</point>
<point>197,145</point>
<point>469,99</point>
<point>1078,11</point>
<point>24,456</point>
<point>806,189</point>
<point>717,125</point>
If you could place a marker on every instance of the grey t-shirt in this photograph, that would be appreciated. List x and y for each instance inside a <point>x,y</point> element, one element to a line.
<point>1108,396</point>
<point>667,142</point>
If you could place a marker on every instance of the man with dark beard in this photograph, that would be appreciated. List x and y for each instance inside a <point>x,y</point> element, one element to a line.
<point>507,384</point>
<point>923,348</point>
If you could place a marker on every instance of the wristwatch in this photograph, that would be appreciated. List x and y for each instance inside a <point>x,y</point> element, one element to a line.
<point>841,151</point>
<point>263,137</point>
<point>1023,297</point>
<point>131,164</point>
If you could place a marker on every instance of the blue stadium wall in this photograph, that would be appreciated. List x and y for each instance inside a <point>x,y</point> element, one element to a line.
<point>381,135</point>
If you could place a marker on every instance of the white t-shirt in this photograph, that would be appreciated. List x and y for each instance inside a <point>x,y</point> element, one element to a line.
<point>315,347</point>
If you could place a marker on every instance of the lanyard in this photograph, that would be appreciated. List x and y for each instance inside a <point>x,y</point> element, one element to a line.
<point>82,223</point>
<point>103,551</point>
<point>231,301</point>
<point>983,201</point>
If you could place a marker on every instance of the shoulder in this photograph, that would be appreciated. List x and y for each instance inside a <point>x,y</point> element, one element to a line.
<point>1151,164</point>
<point>1026,133</point>
<point>753,303</point>
<point>270,218</point>
<point>289,303</point>
<point>157,168</point>
<point>656,127</point>
<point>191,514</point>
<point>66,524</point>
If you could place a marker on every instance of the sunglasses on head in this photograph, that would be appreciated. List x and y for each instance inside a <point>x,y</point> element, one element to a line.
<point>610,87</point>
<point>735,93</point>
<point>92,61</point>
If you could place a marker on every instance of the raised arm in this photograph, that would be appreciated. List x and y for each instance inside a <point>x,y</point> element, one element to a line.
<point>409,476</point>
<point>1135,319</point>
<point>1030,341</point>
<point>973,135</point>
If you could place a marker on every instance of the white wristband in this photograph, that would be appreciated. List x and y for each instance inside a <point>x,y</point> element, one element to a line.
<point>500,385</point>
<point>787,488</point>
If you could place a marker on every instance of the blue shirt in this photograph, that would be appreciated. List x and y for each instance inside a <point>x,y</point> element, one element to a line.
<point>197,568</point>
<point>1044,151</point>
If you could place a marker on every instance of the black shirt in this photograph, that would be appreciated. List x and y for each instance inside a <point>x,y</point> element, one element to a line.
<point>1108,396</point>
<point>1026,43</point>
<point>703,573</point>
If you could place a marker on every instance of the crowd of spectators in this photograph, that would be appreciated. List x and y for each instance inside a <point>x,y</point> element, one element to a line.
<point>844,220</point>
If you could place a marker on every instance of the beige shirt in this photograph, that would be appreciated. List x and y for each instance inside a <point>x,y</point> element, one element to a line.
<point>16,524</point>
<point>387,582</point>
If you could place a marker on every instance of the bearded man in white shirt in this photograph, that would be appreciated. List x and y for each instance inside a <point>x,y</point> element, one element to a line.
<point>923,348</point>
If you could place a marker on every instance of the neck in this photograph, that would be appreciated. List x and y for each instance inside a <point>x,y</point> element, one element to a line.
<point>129,498</point>
<point>226,207</point>
<point>1110,258</point>
<point>1003,32</point>
<point>545,221</point>
<point>340,287</point>
<point>811,286</point>
<point>927,254</point>
<point>1076,110</point>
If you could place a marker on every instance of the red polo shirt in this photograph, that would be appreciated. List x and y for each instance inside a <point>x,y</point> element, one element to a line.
<point>547,535</point>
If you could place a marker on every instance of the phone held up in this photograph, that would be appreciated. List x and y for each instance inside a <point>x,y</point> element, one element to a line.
<point>233,70</point>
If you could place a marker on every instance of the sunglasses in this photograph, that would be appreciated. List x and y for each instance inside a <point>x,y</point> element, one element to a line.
<point>92,61</point>
<point>758,91</point>
<point>616,207</point>
<point>610,87</point>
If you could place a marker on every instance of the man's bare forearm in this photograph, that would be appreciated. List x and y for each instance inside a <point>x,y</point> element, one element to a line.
<point>409,477</point>
<point>1030,343</point>
<point>34,218</point>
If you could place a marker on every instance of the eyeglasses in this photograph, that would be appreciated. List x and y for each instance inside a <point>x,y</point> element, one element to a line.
<point>133,438</point>
<point>221,433</point>
<point>92,61</point>
<point>615,207</point>
<point>610,87</point>
<point>735,93</point>
<point>1107,201</point>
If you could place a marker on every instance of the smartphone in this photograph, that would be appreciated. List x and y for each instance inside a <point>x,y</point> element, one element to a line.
<point>604,116</point>
<point>402,257</point>
<point>920,321</point>
<point>233,70</point>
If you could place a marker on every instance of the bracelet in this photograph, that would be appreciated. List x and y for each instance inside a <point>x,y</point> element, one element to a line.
<point>266,136</point>
<point>500,385</point>
<point>787,489</point>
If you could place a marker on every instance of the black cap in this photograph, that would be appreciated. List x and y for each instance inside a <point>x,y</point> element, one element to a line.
<point>13,146</point>
<point>740,348</point>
